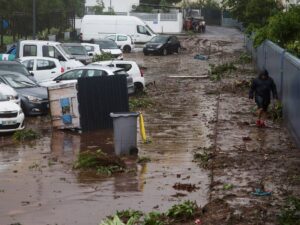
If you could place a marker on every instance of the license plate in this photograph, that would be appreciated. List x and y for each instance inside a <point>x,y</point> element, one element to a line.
<point>9,122</point>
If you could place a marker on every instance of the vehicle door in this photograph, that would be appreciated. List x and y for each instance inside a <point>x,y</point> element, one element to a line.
<point>46,69</point>
<point>52,52</point>
<point>142,34</point>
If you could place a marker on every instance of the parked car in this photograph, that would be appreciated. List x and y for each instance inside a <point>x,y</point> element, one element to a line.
<point>34,98</point>
<point>42,68</point>
<point>162,45</point>
<point>11,115</point>
<point>15,66</point>
<point>92,49</point>
<point>89,71</point>
<point>47,49</point>
<point>78,51</point>
<point>10,93</point>
<point>131,68</point>
<point>123,41</point>
<point>110,47</point>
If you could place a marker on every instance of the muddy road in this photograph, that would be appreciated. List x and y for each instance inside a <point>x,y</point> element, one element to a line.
<point>187,116</point>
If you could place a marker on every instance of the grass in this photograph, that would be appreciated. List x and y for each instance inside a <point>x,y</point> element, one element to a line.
<point>276,112</point>
<point>25,135</point>
<point>141,101</point>
<point>216,72</point>
<point>177,214</point>
<point>290,214</point>
<point>99,162</point>
<point>184,211</point>
<point>203,158</point>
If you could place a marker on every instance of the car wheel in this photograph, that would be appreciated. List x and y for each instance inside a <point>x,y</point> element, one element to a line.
<point>138,88</point>
<point>146,53</point>
<point>127,49</point>
<point>165,52</point>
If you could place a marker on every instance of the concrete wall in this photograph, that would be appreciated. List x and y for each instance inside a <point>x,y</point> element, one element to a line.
<point>161,26</point>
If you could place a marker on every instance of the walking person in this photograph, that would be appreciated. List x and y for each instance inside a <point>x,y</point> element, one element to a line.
<point>260,90</point>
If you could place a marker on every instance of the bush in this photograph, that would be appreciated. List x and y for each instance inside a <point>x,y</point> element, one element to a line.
<point>103,57</point>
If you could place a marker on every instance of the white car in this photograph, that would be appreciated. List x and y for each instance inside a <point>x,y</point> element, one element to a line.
<point>42,68</point>
<point>10,93</point>
<point>131,68</point>
<point>123,41</point>
<point>111,47</point>
<point>72,76</point>
<point>11,115</point>
<point>92,49</point>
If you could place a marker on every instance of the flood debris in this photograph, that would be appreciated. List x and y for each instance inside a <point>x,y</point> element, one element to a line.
<point>185,187</point>
<point>260,192</point>
<point>140,101</point>
<point>218,71</point>
<point>290,213</point>
<point>99,162</point>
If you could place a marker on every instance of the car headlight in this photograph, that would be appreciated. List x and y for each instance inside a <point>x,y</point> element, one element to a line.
<point>20,111</point>
<point>33,98</point>
<point>159,46</point>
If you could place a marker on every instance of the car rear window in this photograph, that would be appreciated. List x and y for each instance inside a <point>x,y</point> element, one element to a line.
<point>126,67</point>
<point>121,72</point>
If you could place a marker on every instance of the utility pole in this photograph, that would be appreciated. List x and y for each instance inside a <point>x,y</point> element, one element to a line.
<point>33,19</point>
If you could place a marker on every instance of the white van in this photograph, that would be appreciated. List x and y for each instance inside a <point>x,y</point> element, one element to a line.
<point>100,26</point>
<point>47,49</point>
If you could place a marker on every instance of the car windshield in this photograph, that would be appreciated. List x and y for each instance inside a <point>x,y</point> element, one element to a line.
<point>15,68</point>
<point>149,29</point>
<point>18,81</point>
<point>67,53</point>
<point>107,44</point>
<point>75,50</point>
<point>3,98</point>
<point>159,39</point>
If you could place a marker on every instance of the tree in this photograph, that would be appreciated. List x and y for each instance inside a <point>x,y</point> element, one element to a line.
<point>253,13</point>
<point>98,9</point>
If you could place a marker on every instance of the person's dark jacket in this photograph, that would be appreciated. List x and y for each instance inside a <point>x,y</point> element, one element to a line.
<point>263,88</point>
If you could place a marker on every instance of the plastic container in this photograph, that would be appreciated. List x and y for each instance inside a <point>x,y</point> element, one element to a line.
<point>125,132</point>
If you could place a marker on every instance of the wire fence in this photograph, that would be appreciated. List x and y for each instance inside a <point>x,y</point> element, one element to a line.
<point>284,68</point>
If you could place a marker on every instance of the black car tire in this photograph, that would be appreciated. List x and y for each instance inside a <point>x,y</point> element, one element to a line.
<point>165,52</point>
<point>127,49</point>
<point>146,53</point>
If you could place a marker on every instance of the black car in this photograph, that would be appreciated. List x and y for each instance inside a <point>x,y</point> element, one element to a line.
<point>34,98</point>
<point>162,45</point>
<point>15,66</point>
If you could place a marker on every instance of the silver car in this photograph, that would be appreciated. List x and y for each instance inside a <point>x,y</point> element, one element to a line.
<point>71,76</point>
<point>78,51</point>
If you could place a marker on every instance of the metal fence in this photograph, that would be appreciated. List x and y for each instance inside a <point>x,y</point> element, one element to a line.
<point>284,68</point>
<point>168,17</point>
<point>98,97</point>
<point>146,16</point>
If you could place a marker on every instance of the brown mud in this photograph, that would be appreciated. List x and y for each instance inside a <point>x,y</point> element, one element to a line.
<point>39,185</point>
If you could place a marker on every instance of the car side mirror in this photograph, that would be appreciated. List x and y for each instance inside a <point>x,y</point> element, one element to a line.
<point>61,58</point>
<point>31,74</point>
<point>169,42</point>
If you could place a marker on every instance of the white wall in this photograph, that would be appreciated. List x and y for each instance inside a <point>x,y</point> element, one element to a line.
<point>166,26</point>
<point>117,5</point>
